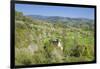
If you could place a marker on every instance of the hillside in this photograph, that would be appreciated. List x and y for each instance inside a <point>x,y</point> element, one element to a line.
<point>35,38</point>
<point>76,22</point>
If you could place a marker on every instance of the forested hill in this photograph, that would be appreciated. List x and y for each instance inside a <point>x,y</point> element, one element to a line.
<point>75,22</point>
<point>59,18</point>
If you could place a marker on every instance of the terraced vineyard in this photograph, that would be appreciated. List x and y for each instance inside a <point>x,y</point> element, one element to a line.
<point>34,40</point>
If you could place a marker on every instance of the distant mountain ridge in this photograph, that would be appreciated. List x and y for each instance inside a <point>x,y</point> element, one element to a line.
<point>61,19</point>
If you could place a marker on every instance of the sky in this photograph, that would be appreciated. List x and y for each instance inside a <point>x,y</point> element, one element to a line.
<point>72,12</point>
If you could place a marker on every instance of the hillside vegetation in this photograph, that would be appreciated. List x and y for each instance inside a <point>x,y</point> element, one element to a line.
<point>34,36</point>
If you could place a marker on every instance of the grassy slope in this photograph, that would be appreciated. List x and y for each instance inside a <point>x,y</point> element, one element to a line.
<point>78,43</point>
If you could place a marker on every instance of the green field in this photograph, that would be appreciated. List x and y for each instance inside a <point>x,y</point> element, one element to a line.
<point>33,46</point>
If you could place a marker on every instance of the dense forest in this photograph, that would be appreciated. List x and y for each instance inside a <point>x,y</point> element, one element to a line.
<point>52,39</point>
